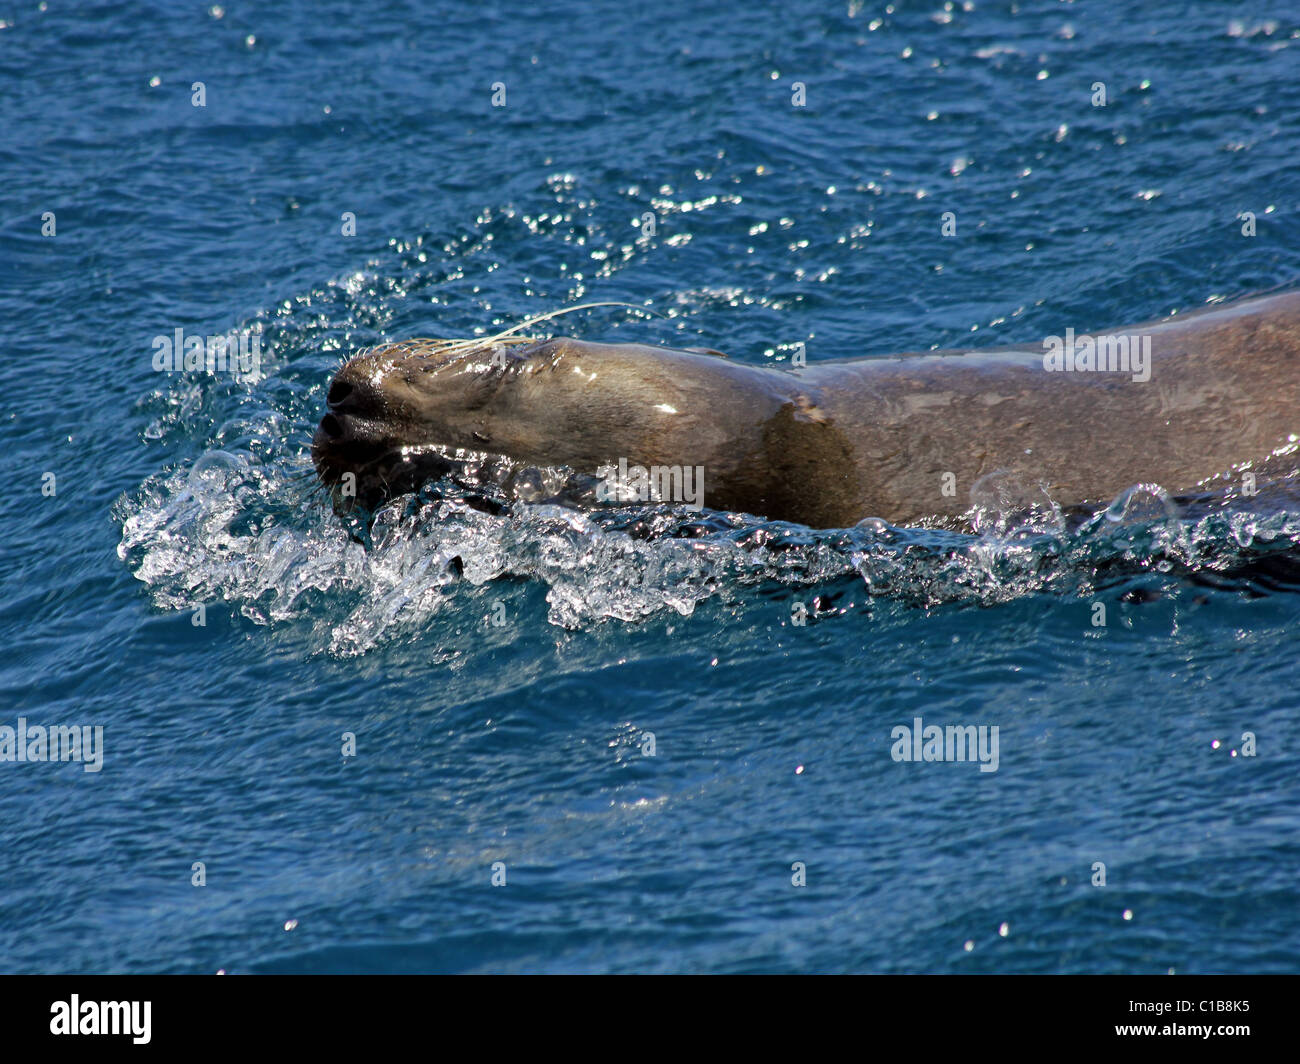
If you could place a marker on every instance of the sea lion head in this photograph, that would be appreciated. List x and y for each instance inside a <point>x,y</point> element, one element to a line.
<point>407,412</point>
<point>398,413</point>
<point>394,412</point>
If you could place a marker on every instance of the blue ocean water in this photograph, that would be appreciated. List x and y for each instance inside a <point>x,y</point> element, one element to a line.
<point>519,748</point>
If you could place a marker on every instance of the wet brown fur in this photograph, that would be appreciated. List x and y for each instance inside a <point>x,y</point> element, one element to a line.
<point>839,441</point>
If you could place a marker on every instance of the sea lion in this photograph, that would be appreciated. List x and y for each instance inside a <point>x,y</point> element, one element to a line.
<point>900,437</point>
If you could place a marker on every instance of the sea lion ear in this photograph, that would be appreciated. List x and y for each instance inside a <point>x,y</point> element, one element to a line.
<point>705,351</point>
<point>805,408</point>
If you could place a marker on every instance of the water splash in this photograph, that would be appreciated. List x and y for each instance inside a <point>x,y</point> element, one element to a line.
<point>237,516</point>
<point>230,528</point>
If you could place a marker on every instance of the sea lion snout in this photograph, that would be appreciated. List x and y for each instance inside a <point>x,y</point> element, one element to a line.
<point>355,409</point>
<point>418,393</point>
<point>388,410</point>
<point>355,435</point>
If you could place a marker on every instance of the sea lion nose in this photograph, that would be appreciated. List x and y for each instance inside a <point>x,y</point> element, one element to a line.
<point>354,407</point>
<point>350,394</point>
<point>357,389</point>
<point>338,393</point>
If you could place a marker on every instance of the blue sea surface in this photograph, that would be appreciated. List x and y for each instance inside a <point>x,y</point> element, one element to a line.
<point>506,678</point>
